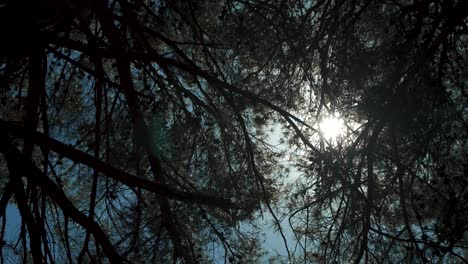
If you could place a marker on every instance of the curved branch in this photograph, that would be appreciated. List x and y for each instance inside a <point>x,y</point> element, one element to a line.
<point>117,174</point>
<point>24,168</point>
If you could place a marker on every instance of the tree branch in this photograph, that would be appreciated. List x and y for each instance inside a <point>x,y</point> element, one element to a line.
<point>117,174</point>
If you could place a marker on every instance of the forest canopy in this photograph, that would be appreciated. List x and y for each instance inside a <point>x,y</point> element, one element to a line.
<point>161,131</point>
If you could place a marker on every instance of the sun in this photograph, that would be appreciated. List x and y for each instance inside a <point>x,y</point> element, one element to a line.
<point>332,127</point>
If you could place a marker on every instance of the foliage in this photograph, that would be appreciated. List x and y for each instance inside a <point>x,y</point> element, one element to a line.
<point>139,130</point>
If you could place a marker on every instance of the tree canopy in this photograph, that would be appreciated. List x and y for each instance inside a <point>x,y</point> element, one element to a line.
<point>159,131</point>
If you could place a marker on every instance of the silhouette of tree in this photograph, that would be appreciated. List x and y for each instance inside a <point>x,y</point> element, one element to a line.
<point>139,130</point>
<point>394,188</point>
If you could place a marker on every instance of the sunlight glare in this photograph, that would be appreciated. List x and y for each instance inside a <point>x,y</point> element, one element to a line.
<point>332,127</point>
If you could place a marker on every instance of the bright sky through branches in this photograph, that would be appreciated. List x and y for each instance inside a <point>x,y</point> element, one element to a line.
<point>332,127</point>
